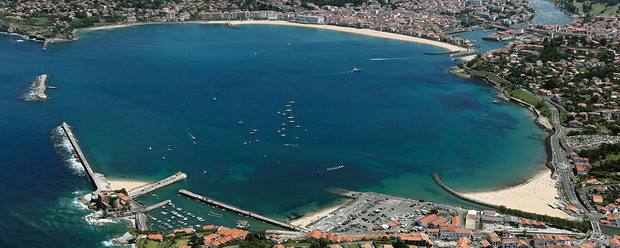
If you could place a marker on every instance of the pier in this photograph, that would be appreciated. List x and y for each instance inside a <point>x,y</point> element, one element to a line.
<point>145,189</point>
<point>242,211</point>
<point>45,45</point>
<point>38,88</point>
<point>98,180</point>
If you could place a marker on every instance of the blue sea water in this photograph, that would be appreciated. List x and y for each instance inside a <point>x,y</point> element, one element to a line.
<point>391,125</point>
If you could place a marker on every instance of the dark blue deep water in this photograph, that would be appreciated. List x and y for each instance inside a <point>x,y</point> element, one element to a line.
<point>391,125</point>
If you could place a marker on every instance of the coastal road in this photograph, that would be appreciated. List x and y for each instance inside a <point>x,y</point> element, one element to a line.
<point>563,170</point>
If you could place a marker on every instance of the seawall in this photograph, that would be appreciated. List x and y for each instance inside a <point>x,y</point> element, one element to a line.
<point>38,87</point>
<point>97,179</point>
<point>242,211</point>
<point>459,195</point>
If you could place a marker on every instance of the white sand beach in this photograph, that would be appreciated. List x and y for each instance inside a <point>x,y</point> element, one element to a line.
<point>127,184</point>
<point>531,196</point>
<point>314,216</point>
<point>368,32</point>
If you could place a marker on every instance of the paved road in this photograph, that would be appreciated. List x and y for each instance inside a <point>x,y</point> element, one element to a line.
<point>563,170</point>
<point>562,166</point>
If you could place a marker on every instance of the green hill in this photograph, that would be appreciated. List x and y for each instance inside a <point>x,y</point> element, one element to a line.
<point>593,7</point>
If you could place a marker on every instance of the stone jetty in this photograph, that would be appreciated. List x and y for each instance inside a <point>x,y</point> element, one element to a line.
<point>38,88</point>
<point>242,211</point>
<point>98,180</point>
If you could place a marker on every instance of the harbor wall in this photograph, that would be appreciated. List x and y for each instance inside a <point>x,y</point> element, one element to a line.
<point>156,185</point>
<point>98,180</point>
<point>242,211</point>
<point>459,195</point>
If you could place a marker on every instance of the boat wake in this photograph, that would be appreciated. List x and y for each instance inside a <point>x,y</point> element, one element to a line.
<point>64,148</point>
<point>382,59</point>
<point>342,72</point>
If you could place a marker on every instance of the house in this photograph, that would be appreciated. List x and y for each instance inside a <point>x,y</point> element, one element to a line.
<point>424,221</point>
<point>539,240</point>
<point>575,124</point>
<point>494,240</point>
<point>505,233</point>
<point>462,233</point>
<point>463,242</point>
<point>485,244</point>
<point>509,243</point>
<point>417,239</point>
<point>597,199</point>
<point>614,219</point>
<point>366,245</point>
<point>155,237</point>
<point>614,243</point>
<point>432,232</point>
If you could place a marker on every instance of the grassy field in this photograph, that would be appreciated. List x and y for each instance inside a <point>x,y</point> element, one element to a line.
<point>525,97</point>
<point>598,9</point>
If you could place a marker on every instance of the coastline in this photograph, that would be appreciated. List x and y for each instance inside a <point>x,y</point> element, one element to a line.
<point>532,195</point>
<point>367,32</point>
<point>311,217</point>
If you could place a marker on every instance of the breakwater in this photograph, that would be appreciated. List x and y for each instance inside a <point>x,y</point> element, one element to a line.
<point>97,179</point>
<point>36,92</point>
<point>459,195</point>
<point>145,189</point>
<point>242,211</point>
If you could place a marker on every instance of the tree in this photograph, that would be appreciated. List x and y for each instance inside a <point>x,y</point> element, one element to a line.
<point>399,244</point>
<point>195,241</point>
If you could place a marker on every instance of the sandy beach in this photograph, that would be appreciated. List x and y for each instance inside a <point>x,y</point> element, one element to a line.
<point>531,196</point>
<point>314,216</point>
<point>117,184</point>
<point>368,32</point>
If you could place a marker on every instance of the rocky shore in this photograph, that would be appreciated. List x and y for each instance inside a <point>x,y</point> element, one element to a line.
<point>33,34</point>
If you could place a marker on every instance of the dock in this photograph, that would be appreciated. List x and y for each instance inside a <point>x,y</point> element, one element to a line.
<point>145,189</point>
<point>242,211</point>
<point>98,180</point>
<point>38,87</point>
<point>45,45</point>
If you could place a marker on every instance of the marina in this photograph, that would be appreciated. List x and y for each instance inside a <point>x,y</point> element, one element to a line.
<point>241,211</point>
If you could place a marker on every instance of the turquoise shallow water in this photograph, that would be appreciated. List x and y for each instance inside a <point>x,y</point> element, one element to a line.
<point>390,125</point>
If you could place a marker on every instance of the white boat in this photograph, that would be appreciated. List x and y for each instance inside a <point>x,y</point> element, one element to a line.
<point>289,110</point>
<point>240,122</point>
<point>356,69</point>
<point>243,224</point>
<point>335,168</point>
<point>149,148</point>
<point>214,99</point>
<point>282,135</point>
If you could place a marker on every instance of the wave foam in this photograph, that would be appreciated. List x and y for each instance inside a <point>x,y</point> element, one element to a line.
<point>29,94</point>
<point>65,149</point>
<point>96,220</point>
